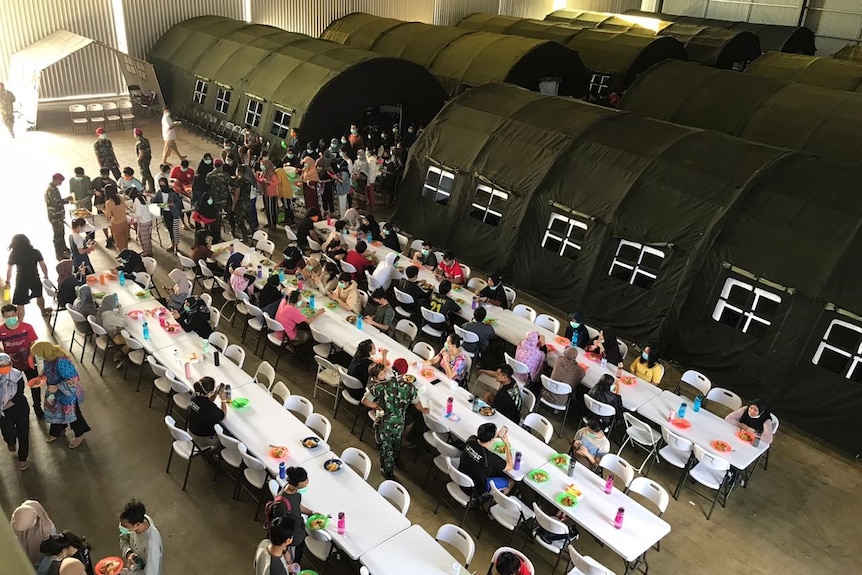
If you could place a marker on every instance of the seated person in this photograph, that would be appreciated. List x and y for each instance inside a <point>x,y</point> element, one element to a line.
<point>335,247</point>
<point>347,293</point>
<point>194,316</point>
<point>390,237</point>
<point>305,227</point>
<point>452,360</point>
<point>360,260</point>
<point>384,316</point>
<point>450,269</point>
<point>183,174</point>
<point>202,250</point>
<point>484,466</point>
<point>754,417</point>
<point>370,228</point>
<point>294,322</point>
<point>605,391</point>
<point>605,345</point>
<point>425,257</point>
<point>532,353</point>
<point>271,292</point>
<point>242,279</point>
<point>131,263</point>
<point>85,305</point>
<point>443,304</point>
<point>481,329</point>
<point>509,564</point>
<point>577,332</point>
<point>566,370</point>
<point>203,412</point>
<point>507,399</point>
<point>324,278</point>
<point>409,284</point>
<point>293,260</point>
<point>67,282</point>
<point>234,261</point>
<point>590,444</point>
<point>494,293</point>
<point>360,364</point>
<point>647,366</point>
<point>386,271</point>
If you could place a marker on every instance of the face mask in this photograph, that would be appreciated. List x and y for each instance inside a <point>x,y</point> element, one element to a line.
<point>343,140</point>
<point>303,490</point>
<point>410,131</point>
<point>425,253</point>
<point>79,178</point>
<point>574,324</point>
<point>227,146</point>
<point>645,356</point>
<point>290,156</point>
<point>11,322</point>
<point>353,130</point>
<point>394,130</point>
<point>187,309</point>
<point>5,369</point>
<point>184,169</point>
<point>309,269</point>
<point>210,202</point>
<point>208,162</point>
<point>384,233</point>
<point>309,150</point>
<point>103,136</point>
<point>333,147</point>
<point>123,530</point>
<point>229,162</point>
<point>342,285</point>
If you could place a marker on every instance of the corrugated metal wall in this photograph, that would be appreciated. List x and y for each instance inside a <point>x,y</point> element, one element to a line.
<point>312,16</point>
<point>92,70</point>
<point>526,8</point>
<point>615,6</point>
<point>448,12</point>
<point>836,22</point>
<point>785,12</point>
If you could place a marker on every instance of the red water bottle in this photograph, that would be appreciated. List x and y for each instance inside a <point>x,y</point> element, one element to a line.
<point>618,520</point>
<point>341,522</point>
<point>609,484</point>
<point>449,405</point>
<point>299,284</point>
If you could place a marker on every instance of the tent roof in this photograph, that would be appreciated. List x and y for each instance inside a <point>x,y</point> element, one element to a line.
<point>53,48</point>
<point>852,52</point>
<point>824,72</point>
<point>799,116</point>
<point>792,39</point>
<point>461,57</point>
<point>587,19</point>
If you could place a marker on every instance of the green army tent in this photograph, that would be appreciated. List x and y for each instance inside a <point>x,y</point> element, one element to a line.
<point>825,72</point>
<point>272,80</point>
<point>613,58</point>
<point>817,120</point>
<point>725,253</point>
<point>461,59</point>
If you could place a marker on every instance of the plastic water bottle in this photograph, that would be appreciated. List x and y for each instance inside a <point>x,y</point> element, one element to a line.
<point>604,363</point>
<point>228,392</point>
<point>329,220</point>
<point>341,522</point>
<point>517,464</point>
<point>609,484</point>
<point>359,322</point>
<point>162,320</point>
<point>571,470</point>
<point>475,303</point>
<point>146,331</point>
<point>670,415</point>
<point>259,271</point>
<point>122,278</point>
<point>188,370</point>
<point>449,405</point>
<point>681,411</point>
<point>697,402</point>
<point>206,348</point>
<point>756,441</point>
<point>311,302</point>
<point>299,283</point>
<point>282,471</point>
<point>281,276</point>
<point>618,520</point>
<point>475,401</point>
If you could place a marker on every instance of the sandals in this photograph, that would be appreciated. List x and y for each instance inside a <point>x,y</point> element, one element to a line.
<point>76,442</point>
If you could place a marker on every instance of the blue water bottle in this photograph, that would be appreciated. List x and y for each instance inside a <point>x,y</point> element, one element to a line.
<point>122,277</point>
<point>681,411</point>
<point>311,301</point>
<point>359,322</point>
<point>146,331</point>
<point>281,275</point>
<point>697,402</point>
<point>282,471</point>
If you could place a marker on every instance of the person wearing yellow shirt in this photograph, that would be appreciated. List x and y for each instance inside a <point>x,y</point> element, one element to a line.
<point>285,191</point>
<point>647,366</point>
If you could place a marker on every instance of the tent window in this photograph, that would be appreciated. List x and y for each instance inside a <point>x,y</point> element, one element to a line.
<point>222,102</point>
<point>200,91</point>
<point>746,307</point>
<point>564,236</point>
<point>438,185</point>
<point>487,204</point>
<point>280,124</point>
<point>253,112</point>
<point>840,351</point>
<point>636,264</point>
<point>599,86</point>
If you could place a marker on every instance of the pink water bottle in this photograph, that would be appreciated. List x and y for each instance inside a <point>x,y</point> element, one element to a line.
<point>609,484</point>
<point>341,522</point>
<point>299,284</point>
<point>618,520</point>
<point>449,406</point>
<point>188,367</point>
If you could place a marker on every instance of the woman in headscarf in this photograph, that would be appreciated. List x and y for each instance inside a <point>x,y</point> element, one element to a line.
<point>373,174</point>
<point>180,291</point>
<point>84,305</point>
<point>605,391</point>
<point>271,292</point>
<point>195,316</point>
<point>242,279</point>
<point>144,220</point>
<point>67,283</point>
<point>131,263</point>
<point>269,188</point>
<point>65,393</point>
<point>310,179</point>
<point>14,411</point>
<point>531,352</point>
<point>352,219</point>
<point>371,228</point>
<point>199,184</point>
<point>386,271</point>
<point>647,366</point>
<point>755,417</point>
<point>390,237</point>
<point>66,554</point>
<point>115,210</point>
<point>566,370</point>
<point>359,175</point>
<point>606,345</point>
<point>494,293</point>
<point>32,526</point>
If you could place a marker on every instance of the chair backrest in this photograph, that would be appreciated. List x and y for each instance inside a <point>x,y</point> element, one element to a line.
<point>528,399</point>
<point>77,317</point>
<point>373,284</point>
<point>540,425</point>
<point>363,298</point>
<point>619,467</point>
<point>466,270</point>
<point>416,245</point>
<point>274,487</point>
<point>408,328</point>
<point>598,408</point>
<point>445,449</point>
<point>476,284</point>
<point>424,350</point>
<point>524,561</point>
<point>314,246</point>
<point>253,462</point>
<point>348,380</point>
<point>187,262</point>
<point>520,368</point>
<point>651,490</point>
<point>176,275</point>
<point>158,369</point>
<point>632,421</point>
<point>554,386</point>
<point>215,317</point>
<point>466,335</point>
<point>724,397</point>
<point>145,279</point>
<point>586,565</point>
<point>318,335</point>
<point>280,392</point>
<point>205,271</point>
<point>524,311</point>
<point>432,316</point>
<point>177,386</point>
<point>775,423</point>
<point>131,342</point>
<point>459,539</point>
<point>348,267</point>
<point>125,105</point>
<point>713,461</point>
<point>510,294</point>
<point>50,288</point>
<point>324,365</point>
<point>299,406</point>
<point>358,460</point>
<point>548,523</point>
<point>460,479</point>
<point>624,349</point>
<point>272,325</point>
<point>396,494</point>
<point>207,299</point>
<point>403,298</point>
<point>98,330</point>
<point>676,442</point>
<point>291,237</point>
<point>177,433</point>
<point>258,236</point>
<point>319,424</point>
<point>229,442</point>
<point>150,264</point>
<point>507,503</point>
<point>77,108</point>
<point>266,246</point>
<point>548,322</point>
<point>266,372</point>
<point>219,340</point>
<point>235,353</point>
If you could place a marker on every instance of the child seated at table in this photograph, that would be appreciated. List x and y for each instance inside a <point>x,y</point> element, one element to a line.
<point>590,444</point>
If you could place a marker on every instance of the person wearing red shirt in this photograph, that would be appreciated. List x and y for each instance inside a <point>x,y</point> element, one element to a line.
<point>360,261</point>
<point>290,316</point>
<point>16,337</point>
<point>183,174</point>
<point>450,269</point>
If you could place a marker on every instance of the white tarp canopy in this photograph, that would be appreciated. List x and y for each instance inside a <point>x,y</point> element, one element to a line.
<point>26,65</point>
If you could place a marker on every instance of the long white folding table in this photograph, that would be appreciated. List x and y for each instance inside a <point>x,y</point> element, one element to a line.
<point>633,394</point>
<point>412,551</point>
<point>204,366</point>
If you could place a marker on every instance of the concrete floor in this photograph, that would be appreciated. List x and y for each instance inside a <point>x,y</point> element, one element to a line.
<point>799,517</point>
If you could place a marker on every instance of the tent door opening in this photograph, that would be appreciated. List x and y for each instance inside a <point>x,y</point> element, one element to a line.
<point>383,118</point>
<point>549,86</point>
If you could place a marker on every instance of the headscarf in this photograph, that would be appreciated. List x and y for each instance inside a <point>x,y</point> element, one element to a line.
<point>65,270</point>
<point>756,423</point>
<point>85,304</point>
<point>567,370</point>
<point>351,216</point>
<point>528,353</point>
<point>8,381</point>
<point>47,350</point>
<point>31,524</point>
<point>612,347</point>
<point>183,285</point>
<point>268,170</point>
<point>373,166</point>
<point>360,166</point>
<point>233,262</point>
<point>309,170</point>
<point>131,262</point>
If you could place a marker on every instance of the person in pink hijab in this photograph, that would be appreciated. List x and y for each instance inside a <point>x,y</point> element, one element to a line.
<point>31,524</point>
<point>531,352</point>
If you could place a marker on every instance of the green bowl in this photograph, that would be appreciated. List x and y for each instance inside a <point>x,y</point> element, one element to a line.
<point>240,403</point>
<point>560,496</point>
<point>499,446</point>
<point>561,464</point>
<point>532,476</point>
<point>314,518</point>
<point>308,572</point>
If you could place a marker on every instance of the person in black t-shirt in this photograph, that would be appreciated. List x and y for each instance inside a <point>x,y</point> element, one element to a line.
<point>305,228</point>
<point>443,304</point>
<point>508,399</point>
<point>203,413</point>
<point>494,293</point>
<point>484,466</point>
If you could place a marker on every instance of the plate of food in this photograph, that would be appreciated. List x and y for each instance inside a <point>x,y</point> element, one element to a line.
<point>584,366</point>
<point>99,294</point>
<point>36,381</point>
<point>409,378</point>
<point>293,281</point>
<point>307,292</point>
<point>158,312</point>
<point>745,435</point>
<point>628,379</point>
<point>332,305</point>
<point>680,423</point>
<point>572,490</point>
<point>135,314</point>
<point>332,465</point>
<point>490,321</point>
<point>310,442</point>
<point>551,347</point>
<point>142,293</point>
<point>460,301</point>
<point>487,411</point>
<point>265,262</point>
<point>427,372</point>
<point>592,356</point>
<point>377,243</point>
<point>538,476</point>
<point>110,276</point>
<point>721,446</point>
<point>499,446</point>
<point>81,213</point>
<point>240,403</point>
<point>351,319</point>
<point>193,357</point>
<point>457,287</point>
<point>92,280</point>
<point>562,341</point>
<point>317,521</point>
<point>308,312</point>
<point>173,328</point>
<point>278,452</point>
<point>566,499</point>
<point>561,460</point>
<point>109,566</point>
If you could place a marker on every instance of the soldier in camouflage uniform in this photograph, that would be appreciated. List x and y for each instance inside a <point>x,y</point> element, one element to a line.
<point>57,215</point>
<point>105,153</point>
<point>145,155</point>
<point>219,183</point>
<point>391,397</point>
<point>240,205</point>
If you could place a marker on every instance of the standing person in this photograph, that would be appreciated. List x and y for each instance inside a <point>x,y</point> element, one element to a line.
<point>66,554</point>
<point>239,207</point>
<point>29,261</point>
<point>285,190</point>
<point>172,211</point>
<point>16,338</point>
<point>140,541</point>
<point>57,214</point>
<point>32,526</point>
<point>81,188</point>
<point>144,221</point>
<point>359,174</point>
<point>482,465</point>
<point>14,411</point>
<point>199,184</point>
<point>219,182</point>
<point>390,397</point>
<point>269,187</point>
<point>115,211</point>
<point>203,412</point>
<point>103,179</point>
<point>288,504</point>
<point>7,109</point>
<point>273,555</point>
<point>105,153</point>
<point>310,180</point>
<point>169,135</point>
<point>341,180</point>
<point>205,213</point>
<point>144,153</point>
<point>65,393</point>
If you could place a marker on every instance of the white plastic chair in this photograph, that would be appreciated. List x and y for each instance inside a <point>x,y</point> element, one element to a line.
<point>78,113</point>
<point>137,355</point>
<point>314,247</point>
<point>651,490</point>
<point>255,321</point>
<point>432,317</point>
<point>508,511</point>
<point>162,383</point>
<point>548,322</point>
<point>724,397</point>
<point>279,392</point>
<point>259,235</point>
<point>291,236</point>
<point>558,388</point>
<point>585,565</point>
<point>555,527</point>
<point>528,400</point>
<point>231,454</point>
<point>447,453</point>
<point>459,539</point>
<point>405,299</point>
<point>256,476</point>
<point>602,411</point>
<point>524,561</point>
<point>86,332</point>
<point>696,380</point>
<point>642,435</point>
<point>510,294</point>
<point>218,340</point>
<point>524,311</point>
<point>677,451</point>
<point>190,268</point>
<point>319,543</point>
<point>358,460</point>
<point>372,282</point>
<point>266,246</point>
<point>476,284</point>
<point>265,375</point>
<point>215,317</point>
<point>101,341</point>
<point>299,406</point>
<point>540,425</point>
<point>711,471</point>
<point>323,344</point>
<point>456,489</point>
<point>183,445</point>
<point>467,337</point>
<point>319,424</point>
<point>348,267</point>
<point>329,376</point>
<point>348,382</point>
<point>207,279</point>
<point>408,328</point>
<point>522,372</point>
<point>424,350</point>
<point>181,397</point>
<point>621,468</point>
<point>396,494</point>
<point>236,354</point>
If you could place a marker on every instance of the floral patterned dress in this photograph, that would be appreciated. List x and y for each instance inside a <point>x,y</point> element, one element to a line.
<point>60,406</point>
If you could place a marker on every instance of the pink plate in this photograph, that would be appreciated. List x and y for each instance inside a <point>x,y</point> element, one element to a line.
<point>680,423</point>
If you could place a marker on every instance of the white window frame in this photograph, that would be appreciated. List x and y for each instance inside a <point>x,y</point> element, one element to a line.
<point>749,314</point>
<point>440,195</point>
<point>635,269</point>
<point>565,242</point>
<point>276,126</point>
<point>601,88</point>
<point>253,110</point>
<point>221,100</point>
<point>856,355</point>
<point>486,208</point>
<point>201,88</point>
